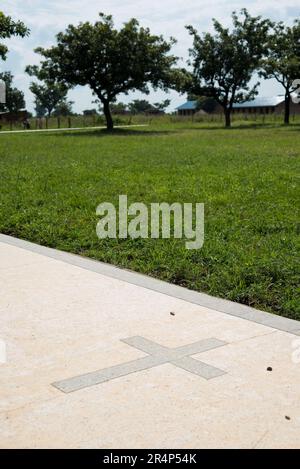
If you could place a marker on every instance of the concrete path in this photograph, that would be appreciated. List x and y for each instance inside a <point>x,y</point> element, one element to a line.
<point>99,357</point>
<point>5,132</point>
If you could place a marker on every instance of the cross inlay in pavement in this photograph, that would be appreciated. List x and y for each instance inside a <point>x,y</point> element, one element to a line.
<point>64,315</point>
<point>156,355</point>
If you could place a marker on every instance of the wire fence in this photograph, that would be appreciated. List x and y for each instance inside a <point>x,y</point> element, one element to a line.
<point>80,121</point>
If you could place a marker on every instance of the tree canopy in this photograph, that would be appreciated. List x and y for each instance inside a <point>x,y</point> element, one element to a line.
<point>9,28</point>
<point>64,108</point>
<point>111,61</point>
<point>142,106</point>
<point>89,112</point>
<point>118,108</point>
<point>224,62</point>
<point>283,60</point>
<point>161,106</point>
<point>204,103</point>
<point>48,94</point>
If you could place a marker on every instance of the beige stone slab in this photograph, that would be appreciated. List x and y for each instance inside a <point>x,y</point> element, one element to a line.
<point>59,321</point>
<point>189,418</point>
<point>13,258</point>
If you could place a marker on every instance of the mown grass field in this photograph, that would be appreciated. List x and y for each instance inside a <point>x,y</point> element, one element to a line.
<point>51,185</point>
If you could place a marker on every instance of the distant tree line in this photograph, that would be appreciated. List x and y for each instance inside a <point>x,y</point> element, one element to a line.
<point>118,61</point>
<point>137,106</point>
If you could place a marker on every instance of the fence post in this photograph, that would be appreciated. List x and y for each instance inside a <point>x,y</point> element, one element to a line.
<point>69,122</point>
<point>58,122</point>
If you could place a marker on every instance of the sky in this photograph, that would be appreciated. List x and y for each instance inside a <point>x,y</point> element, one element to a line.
<point>46,18</point>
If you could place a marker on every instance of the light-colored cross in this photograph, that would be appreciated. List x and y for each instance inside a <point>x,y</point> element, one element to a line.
<point>157,355</point>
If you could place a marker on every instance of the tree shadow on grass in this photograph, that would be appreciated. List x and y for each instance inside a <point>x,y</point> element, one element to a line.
<point>139,132</point>
<point>97,133</point>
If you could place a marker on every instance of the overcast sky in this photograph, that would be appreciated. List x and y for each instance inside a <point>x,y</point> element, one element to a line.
<point>46,18</point>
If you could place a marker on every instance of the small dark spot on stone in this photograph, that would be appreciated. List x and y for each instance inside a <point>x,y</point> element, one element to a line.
<point>287,417</point>
<point>172,314</point>
<point>269,368</point>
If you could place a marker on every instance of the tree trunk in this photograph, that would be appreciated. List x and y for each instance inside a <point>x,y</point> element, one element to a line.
<point>227,113</point>
<point>287,108</point>
<point>107,113</point>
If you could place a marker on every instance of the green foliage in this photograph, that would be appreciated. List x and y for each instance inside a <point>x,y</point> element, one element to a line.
<point>51,185</point>
<point>139,106</point>
<point>142,106</point>
<point>40,111</point>
<point>64,108</point>
<point>14,97</point>
<point>9,28</point>
<point>283,59</point>
<point>48,95</point>
<point>162,106</point>
<point>90,112</point>
<point>118,108</point>
<point>110,61</point>
<point>206,103</point>
<point>224,62</point>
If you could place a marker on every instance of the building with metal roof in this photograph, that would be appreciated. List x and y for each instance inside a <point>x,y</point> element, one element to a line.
<point>266,105</point>
<point>260,105</point>
<point>187,109</point>
<point>271,101</point>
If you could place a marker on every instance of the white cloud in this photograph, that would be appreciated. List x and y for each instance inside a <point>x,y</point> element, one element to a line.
<point>169,17</point>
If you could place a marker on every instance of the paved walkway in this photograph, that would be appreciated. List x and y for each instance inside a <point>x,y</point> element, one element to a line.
<point>4,132</point>
<point>99,357</point>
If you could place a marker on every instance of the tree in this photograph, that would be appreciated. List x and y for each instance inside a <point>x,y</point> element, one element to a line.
<point>111,61</point>
<point>142,106</point>
<point>223,63</point>
<point>9,28</point>
<point>283,60</point>
<point>206,103</point>
<point>48,94</point>
<point>162,106</point>
<point>90,112</point>
<point>64,108</point>
<point>118,108</point>
<point>14,97</point>
<point>115,107</point>
<point>139,106</point>
<point>40,111</point>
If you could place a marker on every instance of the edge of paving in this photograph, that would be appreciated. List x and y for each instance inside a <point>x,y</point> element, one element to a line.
<point>202,299</point>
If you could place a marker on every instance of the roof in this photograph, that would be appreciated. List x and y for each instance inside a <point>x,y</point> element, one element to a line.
<point>188,106</point>
<point>271,101</point>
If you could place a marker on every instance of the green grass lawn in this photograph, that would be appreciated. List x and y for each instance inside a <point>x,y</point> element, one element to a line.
<point>51,185</point>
